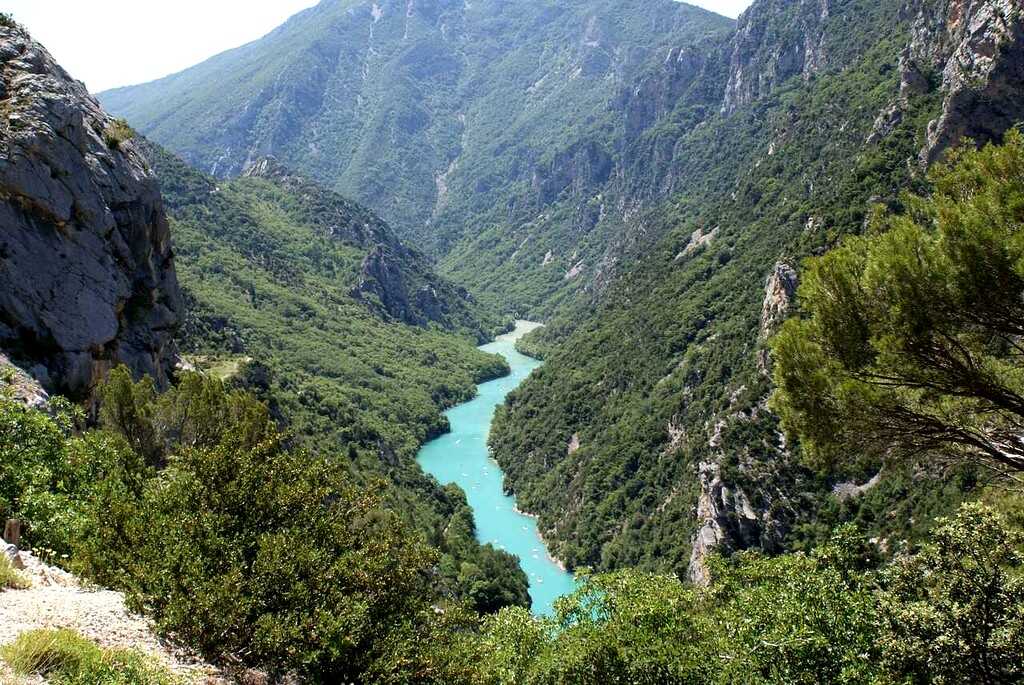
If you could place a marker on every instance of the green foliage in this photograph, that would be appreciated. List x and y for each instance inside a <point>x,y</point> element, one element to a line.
<point>42,473</point>
<point>7,21</point>
<point>955,611</point>
<point>908,340</point>
<point>66,658</point>
<point>241,545</point>
<point>269,265</point>
<point>662,373</point>
<point>10,577</point>
<point>117,133</point>
<point>949,614</point>
<point>250,550</point>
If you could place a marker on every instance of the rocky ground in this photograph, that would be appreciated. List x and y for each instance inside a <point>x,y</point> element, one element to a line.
<point>58,599</point>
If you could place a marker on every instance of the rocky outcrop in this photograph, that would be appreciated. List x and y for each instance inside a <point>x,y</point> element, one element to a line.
<point>381,276</point>
<point>691,74</point>
<point>20,386</point>
<point>724,516</point>
<point>87,277</point>
<point>775,41</point>
<point>582,166</point>
<point>983,76</point>
<point>851,490</point>
<point>973,50</point>
<point>779,291</point>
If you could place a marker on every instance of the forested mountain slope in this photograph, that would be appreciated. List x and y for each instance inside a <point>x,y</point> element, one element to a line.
<point>491,125</point>
<point>645,439</point>
<point>299,296</point>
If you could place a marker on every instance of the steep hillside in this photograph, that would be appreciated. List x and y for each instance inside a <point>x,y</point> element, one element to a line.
<point>645,439</point>
<point>293,293</point>
<point>452,120</point>
<point>298,295</point>
<point>87,277</point>
<point>281,272</point>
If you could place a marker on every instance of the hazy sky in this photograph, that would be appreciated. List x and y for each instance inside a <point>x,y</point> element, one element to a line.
<point>109,43</point>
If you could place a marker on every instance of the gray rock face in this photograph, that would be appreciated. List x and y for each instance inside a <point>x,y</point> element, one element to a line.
<point>974,51</point>
<point>983,76</point>
<point>87,276</point>
<point>724,515</point>
<point>582,166</point>
<point>381,276</point>
<point>779,291</point>
<point>774,42</point>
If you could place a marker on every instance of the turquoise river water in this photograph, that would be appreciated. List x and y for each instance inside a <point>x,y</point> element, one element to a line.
<point>461,457</point>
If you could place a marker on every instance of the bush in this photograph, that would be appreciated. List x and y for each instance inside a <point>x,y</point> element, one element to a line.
<point>66,658</point>
<point>955,611</point>
<point>243,548</point>
<point>43,473</point>
<point>7,21</point>
<point>10,578</point>
<point>117,132</point>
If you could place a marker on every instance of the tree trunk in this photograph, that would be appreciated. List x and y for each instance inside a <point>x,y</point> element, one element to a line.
<point>12,532</point>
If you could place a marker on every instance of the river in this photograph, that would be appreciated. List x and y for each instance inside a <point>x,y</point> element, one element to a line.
<point>461,457</point>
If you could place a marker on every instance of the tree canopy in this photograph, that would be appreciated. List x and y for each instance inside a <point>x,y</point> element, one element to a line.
<point>909,339</point>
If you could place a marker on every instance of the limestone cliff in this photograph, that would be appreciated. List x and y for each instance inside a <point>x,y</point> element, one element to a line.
<point>775,41</point>
<point>87,277</point>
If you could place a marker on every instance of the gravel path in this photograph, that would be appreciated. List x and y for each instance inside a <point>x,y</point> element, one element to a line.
<point>58,600</point>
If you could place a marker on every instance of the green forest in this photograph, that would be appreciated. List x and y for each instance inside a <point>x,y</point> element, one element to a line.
<point>245,545</point>
<point>773,267</point>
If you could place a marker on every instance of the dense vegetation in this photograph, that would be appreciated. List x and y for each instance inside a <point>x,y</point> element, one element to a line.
<point>238,545</point>
<point>257,554</point>
<point>911,334</point>
<point>268,266</point>
<point>665,373</point>
<point>828,617</point>
<point>461,124</point>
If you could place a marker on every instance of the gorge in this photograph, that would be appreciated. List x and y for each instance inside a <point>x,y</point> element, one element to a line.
<point>253,373</point>
<point>461,456</point>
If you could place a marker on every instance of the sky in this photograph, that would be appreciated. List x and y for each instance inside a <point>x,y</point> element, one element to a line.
<point>110,43</point>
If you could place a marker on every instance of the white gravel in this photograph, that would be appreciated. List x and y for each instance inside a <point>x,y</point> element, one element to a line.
<point>58,600</point>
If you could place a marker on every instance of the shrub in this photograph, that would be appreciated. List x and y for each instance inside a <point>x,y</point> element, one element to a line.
<point>42,473</point>
<point>955,611</point>
<point>66,658</point>
<point>7,21</point>
<point>244,548</point>
<point>10,578</point>
<point>117,132</point>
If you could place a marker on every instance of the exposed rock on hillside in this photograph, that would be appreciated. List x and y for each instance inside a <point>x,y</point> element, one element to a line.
<point>774,42</point>
<point>724,515</point>
<point>974,51</point>
<point>983,76</point>
<point>778,295</point>
<point>380,276</point>
<point>87,276</point>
